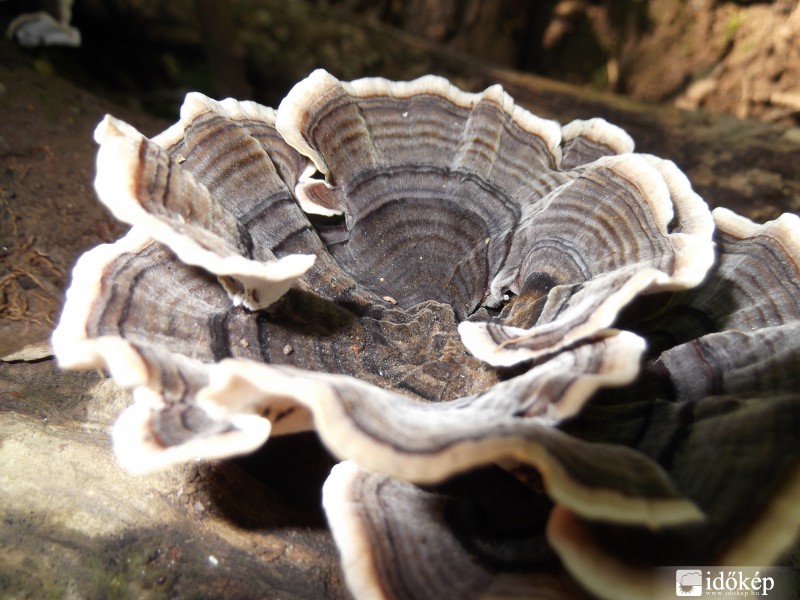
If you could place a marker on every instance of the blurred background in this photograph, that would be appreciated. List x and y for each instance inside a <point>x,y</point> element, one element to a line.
<point>736,57</point>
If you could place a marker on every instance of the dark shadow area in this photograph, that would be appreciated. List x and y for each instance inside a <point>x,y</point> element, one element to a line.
<point>278,485</point>
<point>498,519</point>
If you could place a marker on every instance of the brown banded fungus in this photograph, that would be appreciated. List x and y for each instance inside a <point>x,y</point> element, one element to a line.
<point>437,282</point>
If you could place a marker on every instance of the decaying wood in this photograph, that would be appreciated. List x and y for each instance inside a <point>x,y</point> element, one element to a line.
<point>75,525</point>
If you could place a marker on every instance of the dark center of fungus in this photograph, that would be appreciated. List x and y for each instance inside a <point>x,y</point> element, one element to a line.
<point>420,234</point>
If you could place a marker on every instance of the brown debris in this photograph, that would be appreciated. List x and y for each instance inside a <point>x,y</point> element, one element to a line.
<point>24,296</point>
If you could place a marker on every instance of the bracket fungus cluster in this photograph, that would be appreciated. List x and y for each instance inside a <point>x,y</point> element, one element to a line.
<point>544,364</point>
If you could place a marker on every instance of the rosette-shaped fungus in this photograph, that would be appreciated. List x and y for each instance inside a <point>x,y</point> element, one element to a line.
<point>437,282</point>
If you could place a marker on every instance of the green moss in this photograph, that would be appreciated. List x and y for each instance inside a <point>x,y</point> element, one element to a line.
<point>134,566</point>
<point>42,559</point>
<point>42,583</point>
<point>732,26</point>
